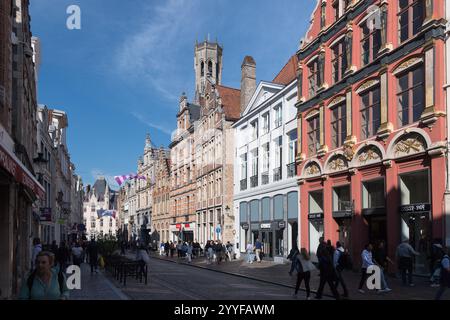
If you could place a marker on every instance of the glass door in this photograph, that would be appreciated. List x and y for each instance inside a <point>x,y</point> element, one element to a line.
<point>419,227</point>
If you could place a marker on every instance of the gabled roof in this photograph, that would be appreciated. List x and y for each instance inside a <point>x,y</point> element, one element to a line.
<point>231,102</point>
<point>288,73</point>
<point>263,87</point>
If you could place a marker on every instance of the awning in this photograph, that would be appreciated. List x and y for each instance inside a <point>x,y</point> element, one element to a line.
<point>10,163</point>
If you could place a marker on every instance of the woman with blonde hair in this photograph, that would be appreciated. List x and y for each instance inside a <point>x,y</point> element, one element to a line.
<point>304,266</point>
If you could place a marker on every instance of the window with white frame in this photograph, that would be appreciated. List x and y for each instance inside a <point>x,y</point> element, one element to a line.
<point>254,129</point>
<point>265,124</point>
<point>266,157</point>
<point>278,116</point>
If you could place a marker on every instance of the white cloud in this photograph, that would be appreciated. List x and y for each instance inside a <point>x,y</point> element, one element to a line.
<point>150,124</point>
<point>151,54</point>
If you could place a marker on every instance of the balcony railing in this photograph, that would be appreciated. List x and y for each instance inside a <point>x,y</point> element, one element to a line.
<point>265,177</point>
<point>243,184</point>
<point>277,174</point>
<point>254,181</point>
<point>291,170</point>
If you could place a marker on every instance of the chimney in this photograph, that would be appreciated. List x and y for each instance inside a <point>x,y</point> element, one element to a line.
<point>248,81</point>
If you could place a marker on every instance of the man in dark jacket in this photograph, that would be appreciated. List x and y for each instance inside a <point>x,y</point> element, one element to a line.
<point>93,255</point>
<point>62,256</point>
<point>327,274</point>
<point>292,256</point>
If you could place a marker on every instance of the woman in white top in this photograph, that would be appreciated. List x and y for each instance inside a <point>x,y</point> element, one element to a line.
<point>304,266</point>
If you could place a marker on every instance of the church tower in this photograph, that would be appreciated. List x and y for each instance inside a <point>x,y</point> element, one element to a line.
<point>207,65</point>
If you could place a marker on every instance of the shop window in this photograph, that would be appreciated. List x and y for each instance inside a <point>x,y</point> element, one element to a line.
<point>341,198</point>
<point>338,125</point>
<point>410,18</point>
<point>414,188</point>
<point>265,207</point>
<point>316,202</point>
<point>292,203</point>
<point>339,60</point>
<point>370,112</point>
<point>373,194</point>
<point>254,210</point>
<point>243,211</point>
<point>278,207</point>
<point>411,92</point>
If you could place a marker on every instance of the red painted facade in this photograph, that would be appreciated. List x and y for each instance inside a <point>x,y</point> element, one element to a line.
<point>394,149</point>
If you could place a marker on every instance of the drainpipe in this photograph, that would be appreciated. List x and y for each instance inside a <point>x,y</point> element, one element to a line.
<point>447,100</point>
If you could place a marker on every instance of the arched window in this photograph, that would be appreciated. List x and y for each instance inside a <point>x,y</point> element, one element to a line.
<point>203,69</point>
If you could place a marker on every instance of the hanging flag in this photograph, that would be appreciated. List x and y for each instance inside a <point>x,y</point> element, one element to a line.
<point>121,179</point>
<point>106,213</point>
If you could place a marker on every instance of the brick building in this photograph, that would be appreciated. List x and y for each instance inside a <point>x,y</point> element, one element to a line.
<point>372,117</point>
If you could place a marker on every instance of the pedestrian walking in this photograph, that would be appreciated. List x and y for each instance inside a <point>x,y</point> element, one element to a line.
<point>339,262</point>
<point>258,248</point>
<point>62,256</point>
<point>327,274</point>
<point>229,250</point>
<point>320,249</point>
<point>293,257</point>
<point>37,247</point>
<point>249,251</point>
<point>44,282</point>
<point>404,256</point>
<point>382,260</point>
<point>167,248</point>
<point>189,251</point>
<point>436,257</point>
<point>303,266</point>
<point>92,250</point>
<point>172,249</point>
<point>161,248</point>
<point>445,274</point>
<point>76,254</point>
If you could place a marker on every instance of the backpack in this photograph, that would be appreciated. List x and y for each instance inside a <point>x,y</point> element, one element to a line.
<point>30,281</point>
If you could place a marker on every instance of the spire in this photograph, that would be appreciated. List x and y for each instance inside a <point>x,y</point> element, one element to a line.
<point>148,142</point>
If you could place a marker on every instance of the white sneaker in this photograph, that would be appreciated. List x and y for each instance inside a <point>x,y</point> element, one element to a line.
<point>361,291</point>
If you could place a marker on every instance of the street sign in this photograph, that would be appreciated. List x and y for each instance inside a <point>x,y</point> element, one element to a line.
<point>413,208</point>
<point>245,226</point>
<point>265,225</point>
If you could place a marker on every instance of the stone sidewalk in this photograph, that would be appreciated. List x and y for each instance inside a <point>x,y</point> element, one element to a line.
<point>96,287</point>
<point>270,272</point>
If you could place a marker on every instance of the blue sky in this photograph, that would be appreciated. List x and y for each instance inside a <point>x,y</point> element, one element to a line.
<point>121,75</point>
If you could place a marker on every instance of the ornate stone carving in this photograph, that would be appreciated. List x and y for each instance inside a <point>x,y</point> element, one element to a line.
<point>337,164</point>
<point>405,65</point>
<point>366,85</point>
<point>409,144</point>
<point>349,151</point>
<point>336,101</point>
<point>312,169</point>
<point>368,155</point>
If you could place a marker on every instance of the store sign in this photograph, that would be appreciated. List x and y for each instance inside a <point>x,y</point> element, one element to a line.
<point>313,216</point>
<point>418,207</point>
<point>265,226</point>
<point>282,224</point>
<point>10,163</point>
<point>245,226</point>
<point>45,214</point>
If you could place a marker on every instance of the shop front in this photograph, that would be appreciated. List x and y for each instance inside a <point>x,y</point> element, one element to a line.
<point>315,221</point>
<point>415,215</point>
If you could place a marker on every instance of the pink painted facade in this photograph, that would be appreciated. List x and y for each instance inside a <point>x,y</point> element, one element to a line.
<point>374,167</point>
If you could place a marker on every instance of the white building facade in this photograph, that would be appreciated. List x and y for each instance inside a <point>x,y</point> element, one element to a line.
<point>266,201</point>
